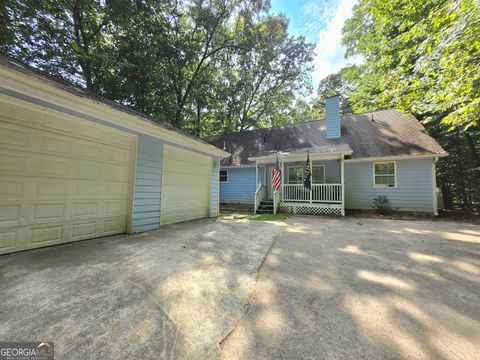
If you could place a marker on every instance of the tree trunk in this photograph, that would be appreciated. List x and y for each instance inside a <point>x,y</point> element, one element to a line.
<point>461,174</point>
<point>447,197</point>
<point>82,43</point>
<point>473,149</point>
<point>198,128</point>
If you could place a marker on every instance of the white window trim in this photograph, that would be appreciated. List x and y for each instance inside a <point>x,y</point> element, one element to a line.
<point>324,175</point>
<point>394,174</point>
<point>288,174</point>
<point>220,176</point>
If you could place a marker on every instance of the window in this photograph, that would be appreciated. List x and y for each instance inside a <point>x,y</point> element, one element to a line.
<point>295,175</point>
<point>318,174</point>
<point>384,174</point>
<point>223,175</point>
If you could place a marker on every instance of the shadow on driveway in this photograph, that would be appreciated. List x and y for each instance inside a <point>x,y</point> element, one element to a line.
<point>365,289</point>
<point>167,294</point>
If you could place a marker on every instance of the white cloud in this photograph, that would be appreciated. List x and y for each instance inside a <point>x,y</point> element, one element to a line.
<point>329,52</point>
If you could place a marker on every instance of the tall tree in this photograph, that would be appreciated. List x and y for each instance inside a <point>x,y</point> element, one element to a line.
<point>423,57</point>
<point>202,65</point>
<point>341,83</point>
<point>61,37</point>
<point>419,55</point>
<point>261,79</point>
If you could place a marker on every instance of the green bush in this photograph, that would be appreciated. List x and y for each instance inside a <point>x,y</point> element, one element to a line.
<point>382,205</point>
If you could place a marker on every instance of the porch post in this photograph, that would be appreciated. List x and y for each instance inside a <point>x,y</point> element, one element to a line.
<point>283,177</point>
<point>256,175</point>
<point>342,171</point>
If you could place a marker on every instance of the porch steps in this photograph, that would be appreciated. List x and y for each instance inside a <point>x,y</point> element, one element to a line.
<point>265,207</point>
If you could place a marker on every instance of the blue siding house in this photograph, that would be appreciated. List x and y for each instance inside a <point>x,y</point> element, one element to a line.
<point>354,159</point>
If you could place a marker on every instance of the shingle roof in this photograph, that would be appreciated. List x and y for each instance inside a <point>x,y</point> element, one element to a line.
<point>390,133</point>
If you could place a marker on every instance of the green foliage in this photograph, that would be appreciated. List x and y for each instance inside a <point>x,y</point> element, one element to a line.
<point>340,83</point>
<point>421,57</point>
<point>204,66</point>
<point>382,205</point>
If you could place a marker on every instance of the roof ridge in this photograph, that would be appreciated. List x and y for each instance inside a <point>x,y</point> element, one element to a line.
<point>299,123</point>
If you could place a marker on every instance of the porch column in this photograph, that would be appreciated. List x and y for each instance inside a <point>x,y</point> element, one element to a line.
<point>256,176</point>
<point>283,178</point>
<point>342,174</point>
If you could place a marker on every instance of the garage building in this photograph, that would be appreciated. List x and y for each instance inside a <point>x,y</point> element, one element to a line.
<point>76,166</point>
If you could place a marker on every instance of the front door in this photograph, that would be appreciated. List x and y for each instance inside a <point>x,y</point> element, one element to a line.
<point>268,183</point>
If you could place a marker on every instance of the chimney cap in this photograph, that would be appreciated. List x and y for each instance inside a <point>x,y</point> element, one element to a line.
<point>331,96</point>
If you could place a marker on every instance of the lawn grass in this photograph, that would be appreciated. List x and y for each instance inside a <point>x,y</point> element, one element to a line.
<point>256,217</point>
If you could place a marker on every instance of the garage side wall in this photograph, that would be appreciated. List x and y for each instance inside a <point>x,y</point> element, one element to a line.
<point>148,184</point>
<point>413,191</point>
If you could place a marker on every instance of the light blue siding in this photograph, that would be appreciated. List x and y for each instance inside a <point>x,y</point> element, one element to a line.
<point>214,190</point>
<point>148,184</point>
<point>332,111</point>
<point>414,190</point>
<point>240,186</point>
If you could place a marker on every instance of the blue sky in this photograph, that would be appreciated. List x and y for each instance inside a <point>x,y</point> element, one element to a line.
<point>321,22</point>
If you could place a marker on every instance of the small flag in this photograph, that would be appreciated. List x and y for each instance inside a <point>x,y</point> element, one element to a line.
<point>307,177</point>
<point>277,176</point>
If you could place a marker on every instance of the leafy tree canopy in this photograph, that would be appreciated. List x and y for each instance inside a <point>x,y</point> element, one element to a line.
<point>206,66</point>
<point>420,56</point>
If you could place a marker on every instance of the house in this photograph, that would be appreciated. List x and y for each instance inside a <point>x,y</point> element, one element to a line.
<point>76,166</point>
<point>354,158</point>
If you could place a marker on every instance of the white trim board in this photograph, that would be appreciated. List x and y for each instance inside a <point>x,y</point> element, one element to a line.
<point>237,167</point>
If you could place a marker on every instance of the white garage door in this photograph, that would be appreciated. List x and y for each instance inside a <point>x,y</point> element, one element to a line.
<point>61,179</point>
<point>185,185</point>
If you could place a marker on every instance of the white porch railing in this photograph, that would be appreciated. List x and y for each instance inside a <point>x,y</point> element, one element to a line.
<point>276,199</point>
<point>259,196</point>
<point>320,193</point>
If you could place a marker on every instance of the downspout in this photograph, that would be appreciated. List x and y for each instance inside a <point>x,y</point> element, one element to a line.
<point>255,205</point>
<point>342,171</point>
<point>434,185</point>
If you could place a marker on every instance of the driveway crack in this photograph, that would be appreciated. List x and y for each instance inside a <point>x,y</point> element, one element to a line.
<point>252,294</point>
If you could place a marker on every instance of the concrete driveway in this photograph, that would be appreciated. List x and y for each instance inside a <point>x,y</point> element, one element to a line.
<point>173,293</point>
<point>365,289</point>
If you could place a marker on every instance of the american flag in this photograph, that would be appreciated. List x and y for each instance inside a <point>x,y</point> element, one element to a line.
<point>307,178</point>
<point>277,176</point>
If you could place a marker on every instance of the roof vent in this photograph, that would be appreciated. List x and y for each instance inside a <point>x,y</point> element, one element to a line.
<point>372,119</point>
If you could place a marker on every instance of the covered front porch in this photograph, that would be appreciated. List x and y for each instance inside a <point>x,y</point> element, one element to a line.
<point>325,197</point>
